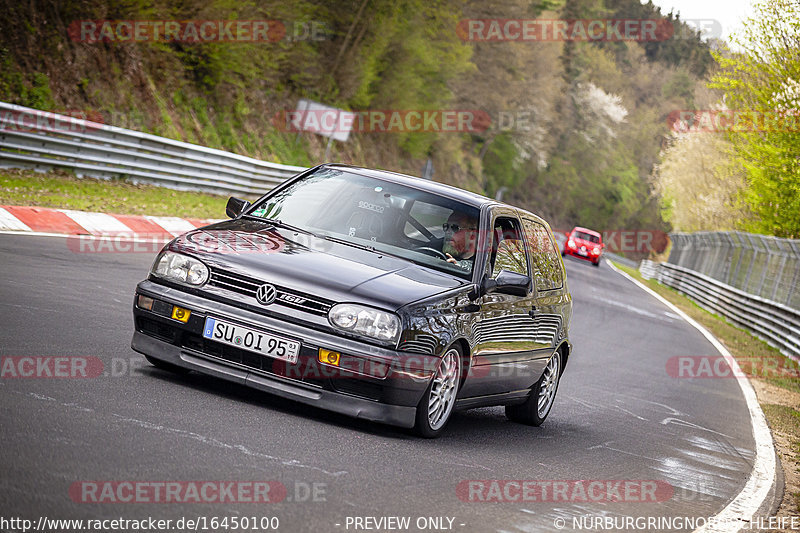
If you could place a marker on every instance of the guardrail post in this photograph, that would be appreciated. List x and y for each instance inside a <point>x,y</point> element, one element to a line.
<point>774,294</point>
<point>729,246</point>
<point>750,266</point>
<point>762,240</point>
<point>741,247</point>
<point>796,275</point>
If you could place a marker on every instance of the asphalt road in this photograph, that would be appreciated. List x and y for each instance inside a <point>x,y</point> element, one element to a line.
<point>618,415</point>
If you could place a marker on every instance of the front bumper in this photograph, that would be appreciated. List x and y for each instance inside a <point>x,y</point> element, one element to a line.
<point>588,257</point>
<point>377,384</point>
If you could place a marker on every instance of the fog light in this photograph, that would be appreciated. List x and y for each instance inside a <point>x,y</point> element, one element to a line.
<point>143,302</point>
<point>328,357</point>
<point>181,314</point>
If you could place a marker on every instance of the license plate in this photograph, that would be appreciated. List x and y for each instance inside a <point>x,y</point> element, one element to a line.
<point>251,340</point>
<point>582,252</point>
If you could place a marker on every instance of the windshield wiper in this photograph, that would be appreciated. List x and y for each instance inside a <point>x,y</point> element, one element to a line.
<point>281,224</point>
<point>362,247</point>
<point>349,243</point>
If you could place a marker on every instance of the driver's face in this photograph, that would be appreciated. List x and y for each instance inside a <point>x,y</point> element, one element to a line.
<point>460,236</point>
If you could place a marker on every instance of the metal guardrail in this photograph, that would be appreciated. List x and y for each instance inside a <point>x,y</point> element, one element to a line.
<point>648,269</point>
<point>773,322</point>
<point>43,141</point>
<point>622,260</point>
<point>761,265</point>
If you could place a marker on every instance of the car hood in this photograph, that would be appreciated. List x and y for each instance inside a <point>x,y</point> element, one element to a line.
<point>313,265</point>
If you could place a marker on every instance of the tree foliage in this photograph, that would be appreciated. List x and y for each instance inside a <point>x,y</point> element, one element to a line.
<point>699,184</point>
<point>764,78</point>
<point>575,131</point>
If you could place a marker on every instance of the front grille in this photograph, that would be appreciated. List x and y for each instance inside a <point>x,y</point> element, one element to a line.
<point>156,329</point>
<point>359,387</point>
<point>286,297</point>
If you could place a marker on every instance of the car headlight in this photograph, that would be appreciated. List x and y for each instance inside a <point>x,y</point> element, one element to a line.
<point>365,321</point>
<point>571,243</point>
<point>596,251</point>
<point>180,268</point>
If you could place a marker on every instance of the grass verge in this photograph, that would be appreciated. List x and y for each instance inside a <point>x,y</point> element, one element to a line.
<point>775,382</point>
<point>64,190</point>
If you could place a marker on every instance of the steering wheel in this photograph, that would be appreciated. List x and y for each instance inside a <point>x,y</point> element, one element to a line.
<point>426,249</point>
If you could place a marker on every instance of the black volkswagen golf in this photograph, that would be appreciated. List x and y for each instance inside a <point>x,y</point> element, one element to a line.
<point>369,293</point>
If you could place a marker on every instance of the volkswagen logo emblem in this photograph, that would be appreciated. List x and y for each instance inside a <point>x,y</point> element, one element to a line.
<point>266,294</point>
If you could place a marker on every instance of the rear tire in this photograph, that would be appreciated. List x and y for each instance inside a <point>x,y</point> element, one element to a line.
<point>169,367</point>
<point>535,409</point>
<point>436,406</point>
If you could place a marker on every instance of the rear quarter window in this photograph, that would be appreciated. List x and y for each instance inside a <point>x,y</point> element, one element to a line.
<point>545,259</point>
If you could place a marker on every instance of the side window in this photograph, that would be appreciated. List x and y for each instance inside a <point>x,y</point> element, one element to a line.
<point>545,259</point>
<point>508,253</point>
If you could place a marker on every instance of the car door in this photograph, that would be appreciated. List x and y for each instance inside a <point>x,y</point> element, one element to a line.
<point>505,348</point>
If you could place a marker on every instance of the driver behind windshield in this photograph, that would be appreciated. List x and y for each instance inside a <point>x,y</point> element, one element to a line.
<point>460,239</point>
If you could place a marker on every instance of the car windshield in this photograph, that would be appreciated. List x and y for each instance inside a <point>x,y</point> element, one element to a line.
<point>419,226</point>
<point>587,237</point>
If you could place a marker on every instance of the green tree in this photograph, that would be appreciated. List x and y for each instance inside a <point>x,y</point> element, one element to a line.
<point>764,78</point>
<point>699,184</point>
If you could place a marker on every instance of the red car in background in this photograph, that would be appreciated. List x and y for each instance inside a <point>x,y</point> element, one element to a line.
<point>584,244</point>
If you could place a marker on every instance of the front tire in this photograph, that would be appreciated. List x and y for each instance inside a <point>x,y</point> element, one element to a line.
<point>535,409</point>
<point>436,405</point>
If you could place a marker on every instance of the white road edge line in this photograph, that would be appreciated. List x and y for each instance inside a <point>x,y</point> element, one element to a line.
<point>88,237</point>
<point>740,511</point>
<point>40,233</point>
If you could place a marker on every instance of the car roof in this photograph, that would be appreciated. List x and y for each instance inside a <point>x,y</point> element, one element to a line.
<point>441,189</point>
<point>448,191</point>
<point>585,230</point>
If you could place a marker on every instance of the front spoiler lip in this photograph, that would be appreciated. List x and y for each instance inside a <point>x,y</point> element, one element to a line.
<point>397,415</point>
<point>587,257</point>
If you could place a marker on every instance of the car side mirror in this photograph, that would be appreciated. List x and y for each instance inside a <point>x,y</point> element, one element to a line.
<point>236,207</point>
<point>508,282</point>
